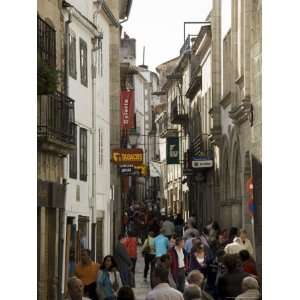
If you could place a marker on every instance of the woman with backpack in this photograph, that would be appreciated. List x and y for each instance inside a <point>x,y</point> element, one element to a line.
<point>148,251</point>
<point>108,279</point>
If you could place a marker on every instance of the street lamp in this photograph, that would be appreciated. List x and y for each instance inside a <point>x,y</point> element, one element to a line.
<point>133,137</point>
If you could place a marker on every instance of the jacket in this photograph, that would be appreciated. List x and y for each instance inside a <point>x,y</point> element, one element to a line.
<point>122,258</point>
<point>174,262</point>
<point>195,265</point>
<point>161,244</point>
<point>230,284</point>
<point>130,244</point>
<point>249,295</point>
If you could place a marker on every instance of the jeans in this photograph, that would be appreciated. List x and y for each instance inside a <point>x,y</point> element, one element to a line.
<point>148,259</point>
<point>125,277</point>
<point>133,260</point>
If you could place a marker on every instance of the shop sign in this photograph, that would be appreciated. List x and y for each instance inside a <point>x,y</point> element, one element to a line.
<point>202,163</point>
<point>127,109</point>
<point>172,150</point>
<point>126,169</point>
<point>127,156</point>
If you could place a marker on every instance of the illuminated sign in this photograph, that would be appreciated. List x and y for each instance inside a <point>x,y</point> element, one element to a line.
<point>127,156</point>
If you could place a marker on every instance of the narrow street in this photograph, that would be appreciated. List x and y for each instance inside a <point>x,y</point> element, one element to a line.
<point>142,287</point>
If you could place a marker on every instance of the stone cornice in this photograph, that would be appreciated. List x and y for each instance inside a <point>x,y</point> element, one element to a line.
<point>242,112</point>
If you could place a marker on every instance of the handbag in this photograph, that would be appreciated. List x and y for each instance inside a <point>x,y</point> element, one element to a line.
<point>115,284</point>
<point>147,248</point>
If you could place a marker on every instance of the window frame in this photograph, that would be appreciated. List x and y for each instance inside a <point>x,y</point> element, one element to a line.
<point>72,55</point>
<point>83,154</point>
<point>73,157</point>
<point>83,62</point>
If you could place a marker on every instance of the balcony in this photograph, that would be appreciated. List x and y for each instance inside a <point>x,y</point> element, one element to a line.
<point>46,44</point>
<point>178,113</point>
<point>163,125</point>
<point>201,146</point>
<point>56,129</point>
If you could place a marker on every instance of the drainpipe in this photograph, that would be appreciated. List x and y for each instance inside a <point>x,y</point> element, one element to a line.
<point>66,73</point>
<point>63,218</point>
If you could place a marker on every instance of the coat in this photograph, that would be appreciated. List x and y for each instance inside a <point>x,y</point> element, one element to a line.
<point>174,262</point>
<point>122,258</point>
<point>230,284</point>
<point>251,294</point>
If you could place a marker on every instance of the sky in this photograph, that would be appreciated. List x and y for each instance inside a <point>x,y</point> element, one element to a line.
<point>158,25</point>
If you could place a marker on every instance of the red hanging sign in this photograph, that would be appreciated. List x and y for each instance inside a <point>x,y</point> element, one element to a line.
<point>127,109</point>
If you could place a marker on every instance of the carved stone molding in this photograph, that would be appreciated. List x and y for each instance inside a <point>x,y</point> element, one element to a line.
<point>242,112</point>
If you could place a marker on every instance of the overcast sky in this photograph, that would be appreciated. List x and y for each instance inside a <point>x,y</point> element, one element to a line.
<point>158,25</point>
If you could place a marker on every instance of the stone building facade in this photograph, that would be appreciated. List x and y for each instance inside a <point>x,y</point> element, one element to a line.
<point>226,124</point>
<point>55,140</point>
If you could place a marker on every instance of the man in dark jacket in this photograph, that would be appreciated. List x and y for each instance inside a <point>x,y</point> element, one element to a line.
<point>179,263</point>
<point>123,261</point>
<point>230,284</point>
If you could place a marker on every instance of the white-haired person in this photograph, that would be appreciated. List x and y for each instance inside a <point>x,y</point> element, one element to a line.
<point>250,289</point>
<point>197,278</point>
<point>75,289</point>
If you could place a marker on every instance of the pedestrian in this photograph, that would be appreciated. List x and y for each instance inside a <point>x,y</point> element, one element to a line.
<point>123,261</point>
<point>234,247</point>
<point>250,289</point>
<point>196,277</point>
<point>214,271</point>
<point>148,251</point>
<point>248,262</point>
<point>166,261</point>
<point>108,279</point>
<point>87,271</point>
<point>179,223</point>
<point>162,289</point>
<point>126,293</point>
<point>245,242</point>
<point>130,243</point>
<point>230,284</point>
<point>213,232</point>
<point>168,227</point>
<point>190,229</point>
<point>192,292</point>
<point>75,289</point>
<point>179,263</point>
<point>233,233</point>
<point>72,263</point>
<point>198,260</point>
<point>189,243</point>
<point>161,244</point>
<point>172,241</point>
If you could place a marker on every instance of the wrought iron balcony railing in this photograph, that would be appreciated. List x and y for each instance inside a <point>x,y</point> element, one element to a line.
<point>55,119</point>
<point>46,43</point>
<point>178,114</point>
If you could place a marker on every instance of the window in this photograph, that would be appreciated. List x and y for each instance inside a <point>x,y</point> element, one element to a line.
<point>83,62</point>
<point>73,159</point>
<point>101,147</point>
<point>72,55</point>
<point>83,154</point>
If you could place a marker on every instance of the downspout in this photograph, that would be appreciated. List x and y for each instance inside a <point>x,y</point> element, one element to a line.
<point>93,69</point>
<point>64,216</point>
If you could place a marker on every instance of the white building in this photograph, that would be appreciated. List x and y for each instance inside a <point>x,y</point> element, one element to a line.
<point>88,196</point>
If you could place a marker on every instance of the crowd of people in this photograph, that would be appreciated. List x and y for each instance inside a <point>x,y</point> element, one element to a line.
<point>180,262</point>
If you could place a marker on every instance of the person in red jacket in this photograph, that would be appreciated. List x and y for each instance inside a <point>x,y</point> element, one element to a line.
<point>248,262</point>
<point>130,243</point>
<point>179,263</point>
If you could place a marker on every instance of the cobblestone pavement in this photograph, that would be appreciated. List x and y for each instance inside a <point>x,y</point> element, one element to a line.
<point>142,288</point>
